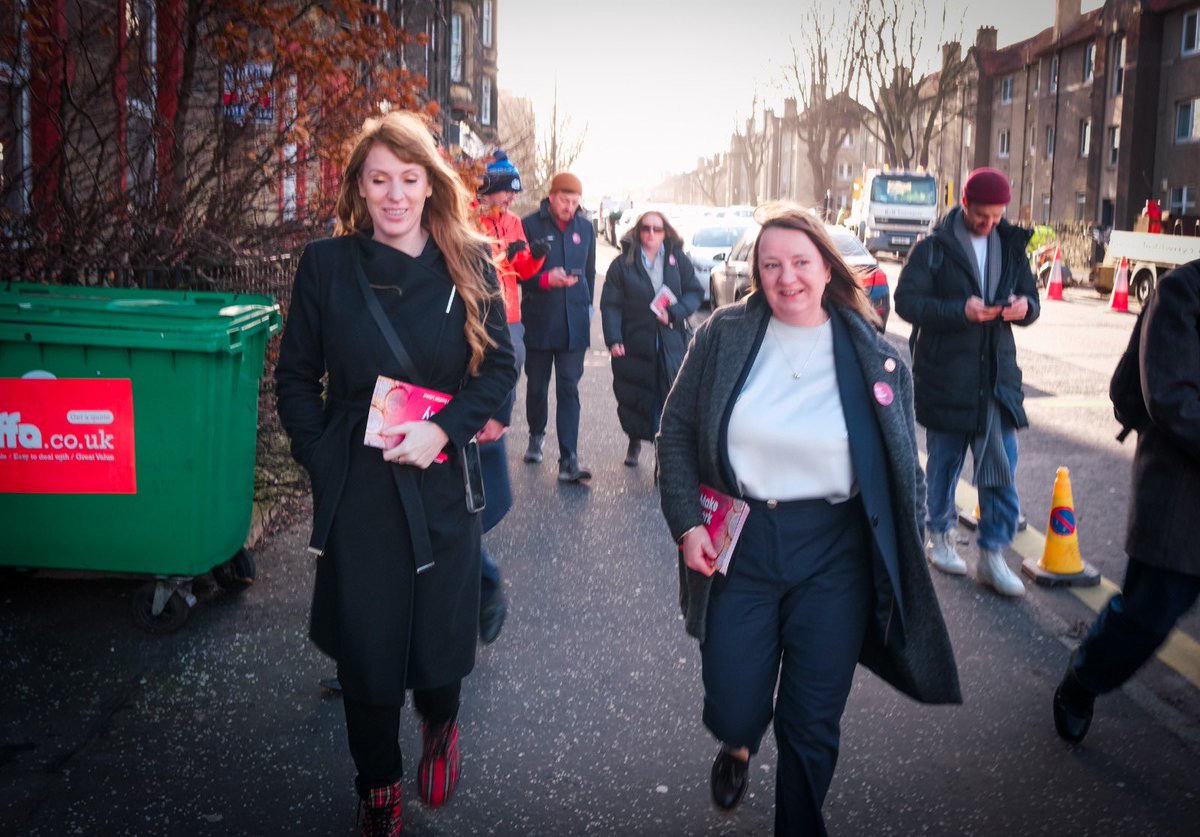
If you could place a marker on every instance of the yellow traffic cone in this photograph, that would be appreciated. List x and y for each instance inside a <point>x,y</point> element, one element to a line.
<point>1061,562</point>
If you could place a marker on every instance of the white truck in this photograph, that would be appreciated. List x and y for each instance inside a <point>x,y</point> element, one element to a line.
<point>1148,257</point>
<point>894,208</point>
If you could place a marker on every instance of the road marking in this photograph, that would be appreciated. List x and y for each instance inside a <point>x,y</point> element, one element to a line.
<point>1180,652</point>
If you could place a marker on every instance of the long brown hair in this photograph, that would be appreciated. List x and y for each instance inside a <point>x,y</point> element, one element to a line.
<point>671,237</point>
<point>446,215</point>
<point>844,288</point>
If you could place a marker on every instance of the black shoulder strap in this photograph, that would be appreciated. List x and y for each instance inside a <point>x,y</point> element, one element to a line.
<point>389,333</point>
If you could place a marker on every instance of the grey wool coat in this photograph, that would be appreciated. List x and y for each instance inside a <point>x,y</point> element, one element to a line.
<point>907,643</point>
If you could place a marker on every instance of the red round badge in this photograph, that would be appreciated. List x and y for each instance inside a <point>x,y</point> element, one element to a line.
<point>883,393</point>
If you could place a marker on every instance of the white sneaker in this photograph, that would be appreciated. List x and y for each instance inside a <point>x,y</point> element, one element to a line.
<point>993,571</point>
<point>944,556</point>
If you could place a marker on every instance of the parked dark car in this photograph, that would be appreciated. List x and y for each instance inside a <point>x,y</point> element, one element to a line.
<point>729,280</point>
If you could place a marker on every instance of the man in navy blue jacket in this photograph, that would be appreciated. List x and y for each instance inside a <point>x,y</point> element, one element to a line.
<point>556,309</point>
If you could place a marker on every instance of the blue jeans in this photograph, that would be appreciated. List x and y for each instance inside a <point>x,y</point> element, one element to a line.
<point>1133,624</point>
<point>999,508</point>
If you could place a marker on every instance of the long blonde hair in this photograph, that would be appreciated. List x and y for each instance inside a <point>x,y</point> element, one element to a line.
<point>446,215</point>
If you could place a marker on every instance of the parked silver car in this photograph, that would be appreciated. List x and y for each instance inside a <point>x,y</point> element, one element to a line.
<point>709,243</point>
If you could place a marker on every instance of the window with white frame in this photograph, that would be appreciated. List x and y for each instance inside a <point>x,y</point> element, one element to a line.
<point>1006,90</point>
<point>1037,77</point>
<point>1085,137</point>
<point>486,16</point>
<point>1190,43</point>
<point>1187,121</point>
<point>1046,209</point>
<point>1003,144</point>
<point>1089,61</point>
<point>848,142</point>
<point>1118,65</point>
<point>1049,141</point>
<point>1182,200</point>
<point>1080,205</point>
<point>1114,143</point>
<point>1054,73</point>
<point>967,135</point>
<point>1032,138</point>
<point>456,48</point>
<point>844,171</point>
<point>485,100</point>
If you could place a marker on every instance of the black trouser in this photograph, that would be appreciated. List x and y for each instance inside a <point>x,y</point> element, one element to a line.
<point>374,732</point>
<point>793,610</point>
<point>568,369</point>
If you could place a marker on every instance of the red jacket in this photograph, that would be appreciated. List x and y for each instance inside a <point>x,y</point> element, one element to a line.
<point>503,230</point>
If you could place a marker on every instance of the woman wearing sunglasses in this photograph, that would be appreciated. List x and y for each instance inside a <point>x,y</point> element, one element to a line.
<point>649,293</point>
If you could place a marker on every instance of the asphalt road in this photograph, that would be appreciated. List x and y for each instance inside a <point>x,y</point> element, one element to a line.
<point>584,717</point>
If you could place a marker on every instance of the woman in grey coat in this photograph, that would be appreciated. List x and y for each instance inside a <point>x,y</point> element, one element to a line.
<point>791,401</point>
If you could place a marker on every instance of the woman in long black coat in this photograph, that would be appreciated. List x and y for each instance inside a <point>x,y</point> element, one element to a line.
<point>647,348</point>
<point>396,598</point>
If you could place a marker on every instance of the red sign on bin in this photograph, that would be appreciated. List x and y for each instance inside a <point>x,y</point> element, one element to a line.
<point>67,436</point>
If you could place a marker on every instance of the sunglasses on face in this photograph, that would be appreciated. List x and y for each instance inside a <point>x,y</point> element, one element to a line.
<point>651,229</point>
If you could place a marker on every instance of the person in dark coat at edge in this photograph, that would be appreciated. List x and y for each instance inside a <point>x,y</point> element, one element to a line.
<point>646,347</point>
<point>396,595</point>
<point>516,262</point>
<point>556,309</point>
<point>963,289</point>
<point>791,400</point>
<point>1162,577</point>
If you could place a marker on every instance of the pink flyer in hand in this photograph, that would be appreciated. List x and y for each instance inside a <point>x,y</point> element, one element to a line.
<point>395,402</point>
<point>724,517</point>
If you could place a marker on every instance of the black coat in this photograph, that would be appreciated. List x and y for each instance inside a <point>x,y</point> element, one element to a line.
<point>388,626</point>
<point>653,351</point>
<point>1164,524</point>
<point>958,364</point>
<point>560,319</point>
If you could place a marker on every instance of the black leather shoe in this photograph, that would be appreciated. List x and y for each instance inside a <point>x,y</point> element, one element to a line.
<point>491,617</point>
<point>632,453</point>
<point>1073,706</point>
<point>534,452</point>
<point>730,776</point>
<point>570,471</point>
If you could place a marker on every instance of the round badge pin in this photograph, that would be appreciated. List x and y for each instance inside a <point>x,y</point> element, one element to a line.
<point>890,364</point>
<point>671,260</point>
<point>575,238</point>
<point>883,393</point>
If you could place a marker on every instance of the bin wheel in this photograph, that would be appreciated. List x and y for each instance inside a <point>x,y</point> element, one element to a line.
<point>237,573</point>
<point>175,611</point>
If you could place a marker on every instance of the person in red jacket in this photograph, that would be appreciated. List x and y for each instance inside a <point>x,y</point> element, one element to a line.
<point>516,261</point>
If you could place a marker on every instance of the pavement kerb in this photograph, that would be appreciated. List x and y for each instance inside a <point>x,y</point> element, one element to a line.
<point>1180,652</point>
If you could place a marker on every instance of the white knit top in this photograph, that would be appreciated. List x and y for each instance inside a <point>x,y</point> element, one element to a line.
<point>787,433</point>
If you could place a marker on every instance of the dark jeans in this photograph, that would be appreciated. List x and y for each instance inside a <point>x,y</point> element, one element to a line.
<point>568,369</point>
<point>794,607</point>
<point>1133,625</point>
<point>374,732</point>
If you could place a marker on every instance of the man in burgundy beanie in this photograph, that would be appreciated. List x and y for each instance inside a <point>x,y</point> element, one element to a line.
<point>963,289</point>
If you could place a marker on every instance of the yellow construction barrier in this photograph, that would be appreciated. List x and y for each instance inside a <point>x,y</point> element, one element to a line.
<point>1061,562</point>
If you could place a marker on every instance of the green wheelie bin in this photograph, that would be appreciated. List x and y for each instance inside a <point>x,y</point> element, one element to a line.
<point>128,422</point>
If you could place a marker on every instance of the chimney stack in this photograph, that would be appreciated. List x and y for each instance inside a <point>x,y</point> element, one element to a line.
<point>985,39</point>
<point>1066,15</point>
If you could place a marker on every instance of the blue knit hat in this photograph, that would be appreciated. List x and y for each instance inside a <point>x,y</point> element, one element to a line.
<point>501,176</point>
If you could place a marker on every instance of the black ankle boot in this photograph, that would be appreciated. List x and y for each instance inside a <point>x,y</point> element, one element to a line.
<point>534,452</point>
<point>632,453</point>
<point>730,777</point>
<point>1073,705</point>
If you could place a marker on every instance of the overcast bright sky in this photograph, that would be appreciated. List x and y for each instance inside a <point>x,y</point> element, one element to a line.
<point>659,84</point>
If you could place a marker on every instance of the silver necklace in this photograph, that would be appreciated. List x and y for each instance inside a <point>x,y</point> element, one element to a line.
<point>812,348</point>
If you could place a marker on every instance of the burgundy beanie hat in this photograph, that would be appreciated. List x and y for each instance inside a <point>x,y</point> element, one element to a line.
<point>987,187</point>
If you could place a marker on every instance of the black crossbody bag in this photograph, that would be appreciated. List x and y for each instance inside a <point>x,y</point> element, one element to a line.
<point>468,457</point>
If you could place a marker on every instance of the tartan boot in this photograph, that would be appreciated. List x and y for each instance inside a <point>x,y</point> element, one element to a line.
<point>437,774</point>
<point>380,813</point>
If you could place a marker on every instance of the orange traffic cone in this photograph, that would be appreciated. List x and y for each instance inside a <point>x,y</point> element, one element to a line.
<point>1054,287</point>
<point>1060,562</point>
<point>1120,292</point>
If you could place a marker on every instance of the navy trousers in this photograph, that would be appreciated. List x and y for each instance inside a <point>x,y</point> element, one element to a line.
<point>568,369</point>
<point>793,608</point>
<point>1133,625</point>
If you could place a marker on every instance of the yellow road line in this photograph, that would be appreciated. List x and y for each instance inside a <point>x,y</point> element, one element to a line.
<point>1181,652</point>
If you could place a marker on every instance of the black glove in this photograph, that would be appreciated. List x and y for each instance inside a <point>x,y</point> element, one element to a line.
<point>514,248</point>
<point>539,249</point>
